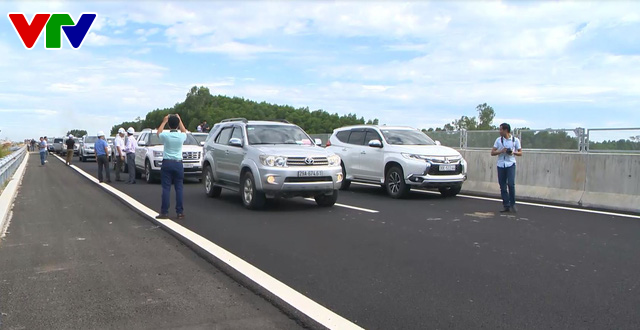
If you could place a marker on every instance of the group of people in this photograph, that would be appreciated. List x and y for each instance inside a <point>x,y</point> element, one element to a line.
<point>203,127</point>
<point>125,146</point>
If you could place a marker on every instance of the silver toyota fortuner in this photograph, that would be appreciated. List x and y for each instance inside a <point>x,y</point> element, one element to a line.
<point>268,159</point>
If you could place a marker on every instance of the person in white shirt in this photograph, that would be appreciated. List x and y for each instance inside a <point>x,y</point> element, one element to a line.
<point>130,150</point>
<point>199,128</point>
<point>507,147</point>
<point>118,143</point>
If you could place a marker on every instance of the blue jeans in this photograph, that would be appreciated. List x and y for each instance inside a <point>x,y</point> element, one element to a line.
<point>507,179</point>
<point>172,172</point>
<point>43,155</point>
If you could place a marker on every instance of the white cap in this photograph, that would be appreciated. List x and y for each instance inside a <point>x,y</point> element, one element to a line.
<point>71,136</point>
<point>130,130</point>
<point>121,130</point>
<point>100,133</point>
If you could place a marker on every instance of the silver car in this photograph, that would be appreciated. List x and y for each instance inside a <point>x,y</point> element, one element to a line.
<point>265,159</point>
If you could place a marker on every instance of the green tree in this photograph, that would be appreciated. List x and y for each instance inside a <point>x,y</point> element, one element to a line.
<point>485,117</point>
<point>77,132</point>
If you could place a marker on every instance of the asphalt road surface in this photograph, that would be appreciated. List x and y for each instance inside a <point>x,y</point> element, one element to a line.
<point>428,262</point>
<point>75,258</point>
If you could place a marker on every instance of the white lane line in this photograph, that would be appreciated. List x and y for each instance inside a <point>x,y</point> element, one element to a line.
<point>349,207</point>
<point>622,215</point>
<point>292,297</point>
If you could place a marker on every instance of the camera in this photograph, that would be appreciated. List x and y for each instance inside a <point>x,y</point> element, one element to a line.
<point>509,151</point>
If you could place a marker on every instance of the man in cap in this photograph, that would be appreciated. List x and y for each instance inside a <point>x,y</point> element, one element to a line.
<point>118,143</point>
<point>172,170</point>
<point>130,146</point>
<point>102,151</point>
<point>70,143</point>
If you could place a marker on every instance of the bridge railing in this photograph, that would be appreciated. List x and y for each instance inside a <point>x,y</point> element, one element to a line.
<point>9,164</point>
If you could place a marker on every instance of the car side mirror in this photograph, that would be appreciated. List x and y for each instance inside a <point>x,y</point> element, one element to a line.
<point>375,144</point>
<point>142,143</point>
<point>235,142</point>
<point>438,143</point>
<point>318,142</point>
<point>202,143</point>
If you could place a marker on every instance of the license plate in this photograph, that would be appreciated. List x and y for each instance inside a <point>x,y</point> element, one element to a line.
<point>187,165</point>
<point>310,173</point>
<point>447,168</point>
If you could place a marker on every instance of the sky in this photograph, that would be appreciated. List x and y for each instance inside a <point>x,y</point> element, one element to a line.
<point>542,64</point>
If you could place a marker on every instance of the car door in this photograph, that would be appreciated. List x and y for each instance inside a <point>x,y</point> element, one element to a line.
<point>220,154</point>
<point>235,155</point>
<point>372,158</point>
<point>141,151</point>
<point>356,147</point>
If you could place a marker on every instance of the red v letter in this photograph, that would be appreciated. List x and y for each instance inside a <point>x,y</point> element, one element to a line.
<point>29,33</point>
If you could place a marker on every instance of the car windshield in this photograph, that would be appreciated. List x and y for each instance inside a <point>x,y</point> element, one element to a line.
<point>406,137</point>
<point>57,141</point>
<point>200,137</point>
<point>277,134</point>
<point>154,140</point>
<point>90,139</point>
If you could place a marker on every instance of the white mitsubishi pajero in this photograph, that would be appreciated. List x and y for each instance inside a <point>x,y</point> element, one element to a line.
<point>397,158</point>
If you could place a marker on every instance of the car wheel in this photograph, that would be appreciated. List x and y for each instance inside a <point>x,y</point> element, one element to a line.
<point>148,175</point>
<point>327,200</point>
<point>451,191</point>
<point>345,183</point>
<point>251,197</point>
<point>209,187</point>
<point>395,184</point>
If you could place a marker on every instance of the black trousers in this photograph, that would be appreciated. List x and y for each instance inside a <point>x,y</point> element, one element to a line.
<point>103,161</point>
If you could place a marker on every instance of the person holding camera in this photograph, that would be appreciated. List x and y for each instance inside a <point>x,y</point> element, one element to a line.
<point>172,170</point>
<point>507,147</point>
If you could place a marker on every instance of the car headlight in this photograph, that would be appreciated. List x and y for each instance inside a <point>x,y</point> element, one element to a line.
<point>273,161</point>
<point>334,160</point>
<point>157,154</point>
<point>414,156</point>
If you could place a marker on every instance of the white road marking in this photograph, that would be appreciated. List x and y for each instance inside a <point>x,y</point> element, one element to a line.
<point>297,300</point>
<point>349,207</point>
<point>524,203</point>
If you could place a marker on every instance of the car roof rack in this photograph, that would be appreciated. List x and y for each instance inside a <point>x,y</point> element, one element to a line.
<point>244,120</point>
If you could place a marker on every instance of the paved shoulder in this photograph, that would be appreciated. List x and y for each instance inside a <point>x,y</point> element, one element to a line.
<point>76,258</point>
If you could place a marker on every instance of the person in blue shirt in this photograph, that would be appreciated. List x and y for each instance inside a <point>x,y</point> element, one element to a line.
<point>507,147</point>
<point>102,151</point>
<point>172,170</point>
<point>43,151</point>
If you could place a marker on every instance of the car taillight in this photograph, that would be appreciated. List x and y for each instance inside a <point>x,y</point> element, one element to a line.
<point>328,143</point>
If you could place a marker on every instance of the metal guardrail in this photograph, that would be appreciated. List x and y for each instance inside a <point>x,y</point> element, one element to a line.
<point>558,140</point>
<point>9,165</point>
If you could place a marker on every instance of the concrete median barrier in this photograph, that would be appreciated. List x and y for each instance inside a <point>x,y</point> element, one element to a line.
<point>608,181</point>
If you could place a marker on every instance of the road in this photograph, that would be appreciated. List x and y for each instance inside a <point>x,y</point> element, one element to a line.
<point>75,258</point>
<point>428,262</point>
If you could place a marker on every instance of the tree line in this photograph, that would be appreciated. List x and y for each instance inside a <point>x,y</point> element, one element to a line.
<point>199,105</point>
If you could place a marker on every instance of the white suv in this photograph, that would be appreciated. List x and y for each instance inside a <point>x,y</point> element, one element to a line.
<point>150,152</point>
<point>397,158</point>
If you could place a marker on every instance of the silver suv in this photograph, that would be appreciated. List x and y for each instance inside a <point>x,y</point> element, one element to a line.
<point>86,149</point>
<point>397,158</point>
<point>266,159</point>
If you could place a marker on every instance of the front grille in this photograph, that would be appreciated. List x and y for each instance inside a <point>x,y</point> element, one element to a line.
<point>309,179</point>
<point>301,161</point>
<point>435,170</point>
<point>191,155</point>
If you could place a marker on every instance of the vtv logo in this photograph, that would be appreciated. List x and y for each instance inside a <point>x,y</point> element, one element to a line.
<point>29,33</point>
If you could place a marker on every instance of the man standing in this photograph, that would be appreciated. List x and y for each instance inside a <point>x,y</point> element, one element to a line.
<point>172,170</point>
<point>46,148</point>
<point>70,143</point>
<point>130,146</point>
<point>199,128</point>
<point>205,127</point>
<point>118,143</point>
<point>43,151</point>
<point>102,151</point>
<point>507,147</point>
